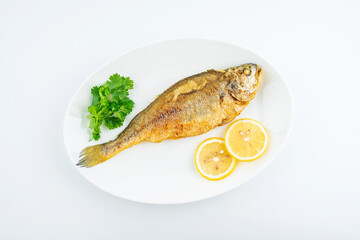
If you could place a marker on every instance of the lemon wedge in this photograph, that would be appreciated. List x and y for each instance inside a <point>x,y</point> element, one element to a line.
<point>246,139</point>
<point>213,161</point>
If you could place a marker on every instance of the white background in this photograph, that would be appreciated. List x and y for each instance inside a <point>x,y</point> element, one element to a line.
<point>310,191</point>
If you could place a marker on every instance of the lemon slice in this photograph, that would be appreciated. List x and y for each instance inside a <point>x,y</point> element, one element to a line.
<point>212,160</point>
<point>246,139</point>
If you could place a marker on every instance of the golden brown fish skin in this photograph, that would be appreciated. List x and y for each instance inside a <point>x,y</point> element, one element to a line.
<point>190,107</point>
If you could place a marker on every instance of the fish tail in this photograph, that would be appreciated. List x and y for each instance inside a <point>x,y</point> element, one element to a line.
<point>92,156</point>
<point>96,154</point>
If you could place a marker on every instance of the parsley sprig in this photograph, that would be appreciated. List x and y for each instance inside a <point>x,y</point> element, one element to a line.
<point>110,104</point>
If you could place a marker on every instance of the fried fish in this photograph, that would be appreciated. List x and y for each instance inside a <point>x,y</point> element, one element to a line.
<point>190,107</point>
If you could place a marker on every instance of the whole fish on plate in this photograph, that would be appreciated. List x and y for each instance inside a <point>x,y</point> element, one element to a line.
<point>190,107</point>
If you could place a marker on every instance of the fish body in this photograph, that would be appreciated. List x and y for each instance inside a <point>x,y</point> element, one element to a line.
<point>190,107</point>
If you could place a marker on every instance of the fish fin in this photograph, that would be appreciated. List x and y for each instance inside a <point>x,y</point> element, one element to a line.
<point>92,156</point>
<point>188,87</point>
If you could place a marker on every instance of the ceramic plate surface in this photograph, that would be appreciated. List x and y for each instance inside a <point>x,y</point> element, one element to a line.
<point>164,173</point>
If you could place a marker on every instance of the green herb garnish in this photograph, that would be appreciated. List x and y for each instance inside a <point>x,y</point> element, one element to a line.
<point>110,104</point>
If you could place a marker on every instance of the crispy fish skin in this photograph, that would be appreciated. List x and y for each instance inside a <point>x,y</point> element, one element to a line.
<point>190,107</point>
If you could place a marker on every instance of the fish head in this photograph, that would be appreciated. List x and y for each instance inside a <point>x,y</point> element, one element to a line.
<point>243,81</point>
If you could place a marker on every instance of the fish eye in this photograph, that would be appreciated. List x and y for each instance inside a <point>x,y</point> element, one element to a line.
<point>247,71</point>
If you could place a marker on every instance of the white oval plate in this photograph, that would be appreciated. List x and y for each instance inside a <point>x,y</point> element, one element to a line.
<point>164,173</point>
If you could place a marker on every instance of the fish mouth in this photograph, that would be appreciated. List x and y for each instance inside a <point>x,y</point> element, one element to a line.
<point>258,74</point>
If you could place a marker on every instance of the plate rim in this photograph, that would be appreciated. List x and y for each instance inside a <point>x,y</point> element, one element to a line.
<point>171,40</point>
